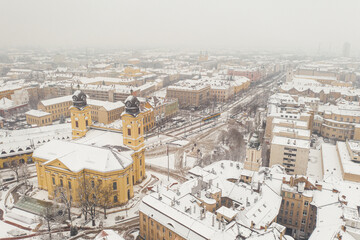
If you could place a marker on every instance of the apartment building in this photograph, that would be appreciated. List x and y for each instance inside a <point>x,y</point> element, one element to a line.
<point>190,93</point>
<point>304,86</point>
<point>285,111</point>
<point>291,153</point>
<point>210,206</point>
<point>297,212</point>
<point>339,122</point>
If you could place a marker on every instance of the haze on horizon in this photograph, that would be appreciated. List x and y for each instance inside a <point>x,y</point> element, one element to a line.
<point>257,24</point>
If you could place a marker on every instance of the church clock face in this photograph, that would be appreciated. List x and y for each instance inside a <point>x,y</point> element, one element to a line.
<point>128,104</point>
<point>83,97</point>
<point>74,98</point>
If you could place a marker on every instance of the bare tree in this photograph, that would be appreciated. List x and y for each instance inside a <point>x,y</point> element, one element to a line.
<point>106,194</point>
<point>63,195</point>
<point>24,174</point>
<point>89,197</point>
<point>1,182</point>
<point>15,166</point>
<point>53,216</point>
<point>236,144</point>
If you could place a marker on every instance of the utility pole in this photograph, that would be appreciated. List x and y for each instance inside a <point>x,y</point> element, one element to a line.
<point>167,151</point>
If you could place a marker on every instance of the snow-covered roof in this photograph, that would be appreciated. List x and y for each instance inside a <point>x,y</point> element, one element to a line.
<point>290,142</point>
<point>37,113</point>
<point>57,100</point>
<point>76,156</point>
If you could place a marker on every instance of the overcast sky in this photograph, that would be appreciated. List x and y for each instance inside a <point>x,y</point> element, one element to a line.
<point>239,24</point>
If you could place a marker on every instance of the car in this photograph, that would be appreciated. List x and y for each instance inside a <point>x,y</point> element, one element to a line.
<point>326,140</point>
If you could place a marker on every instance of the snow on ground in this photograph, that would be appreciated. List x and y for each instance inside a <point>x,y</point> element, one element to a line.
<point>189,162</point>
<point>181,142</point>
<point>314,169</point>
<point>162,161</point>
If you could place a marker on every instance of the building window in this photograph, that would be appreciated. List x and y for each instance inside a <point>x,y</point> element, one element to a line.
<point>129,131</point>
<point>139,131</point>
<point>53,180</point>
<point>114,186</point>
<point>304,213</point>
<point>92,183</point>
<point>115,198</point>
<point>61,183</point>
<point>306,203</point>
<point>127,180</point>
<point>76,124</point>
<point>87,123</point>
<point>69,185</point>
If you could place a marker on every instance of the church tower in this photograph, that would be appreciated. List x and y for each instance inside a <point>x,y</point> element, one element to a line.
<point>133,135</point>
<point>253,159</point>
<point>80,114</point>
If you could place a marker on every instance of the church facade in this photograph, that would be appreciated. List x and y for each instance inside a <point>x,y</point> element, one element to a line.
<point>95,159</point>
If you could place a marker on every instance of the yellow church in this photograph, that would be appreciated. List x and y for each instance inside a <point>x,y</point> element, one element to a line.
<point>102,157</point>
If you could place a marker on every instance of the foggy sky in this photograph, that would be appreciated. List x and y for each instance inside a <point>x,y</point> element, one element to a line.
<point>251,24</point>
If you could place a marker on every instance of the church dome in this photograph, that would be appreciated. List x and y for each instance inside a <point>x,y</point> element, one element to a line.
<point>132,105</point>
<point>79,99</point>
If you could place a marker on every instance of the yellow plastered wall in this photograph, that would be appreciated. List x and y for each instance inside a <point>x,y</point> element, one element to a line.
<point>133,137</point>
<point>80,121</point>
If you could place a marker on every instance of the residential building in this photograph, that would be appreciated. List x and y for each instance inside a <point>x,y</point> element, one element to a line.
<point>190,93</point>
<point>209,206</point>
<point>297,212</point>
<point>291,153</point>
